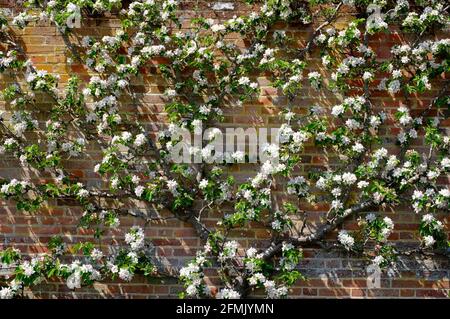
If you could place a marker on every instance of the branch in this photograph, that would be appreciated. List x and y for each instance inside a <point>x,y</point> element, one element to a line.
<point>321,231</point>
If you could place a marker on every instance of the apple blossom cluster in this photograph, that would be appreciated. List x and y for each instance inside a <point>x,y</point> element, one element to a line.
<point>192,275</point>
<point>378,229</point>
<point>22,121</point>
<point>431,15</point>
<point>346,239</point>
<point>281,221</point>
<point>8,60</point>
<point>431,199</point>
<point>135,238</point>
<point>93,266</point>
<point>227,293</point>
<point>14,187</point>
<point>256,269</point>
<point>432,232</point>
<point>63,13</point>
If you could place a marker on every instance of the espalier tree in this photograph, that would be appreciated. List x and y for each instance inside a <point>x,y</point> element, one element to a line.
<point>204,72</point>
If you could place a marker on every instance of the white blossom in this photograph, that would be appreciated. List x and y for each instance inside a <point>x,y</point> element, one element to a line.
<point>227,293</point>
<point>349,178</point>
<point>125,274</point>
<point>378,260</point>
<point>346,240</point>
<point>6,293</point>
<point>203,184</point>
<point>139,190</point>
<point>429,241</point>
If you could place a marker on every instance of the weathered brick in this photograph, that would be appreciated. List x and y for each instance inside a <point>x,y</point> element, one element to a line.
<point>332,274</point>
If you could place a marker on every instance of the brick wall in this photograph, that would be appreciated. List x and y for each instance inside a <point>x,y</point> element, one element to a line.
<point>329,274</point>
